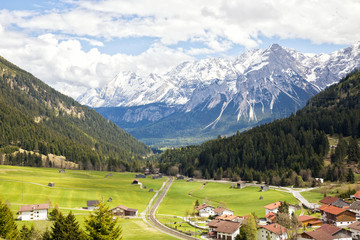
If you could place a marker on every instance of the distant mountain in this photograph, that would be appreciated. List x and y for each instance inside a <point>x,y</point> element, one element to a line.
<point>35,117</point>
<point>202,99</point>
<point>281,151</point>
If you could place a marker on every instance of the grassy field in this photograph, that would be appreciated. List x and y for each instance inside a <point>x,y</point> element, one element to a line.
<point>313,196</point>
<point>182,196</point>
<point>25,185</point>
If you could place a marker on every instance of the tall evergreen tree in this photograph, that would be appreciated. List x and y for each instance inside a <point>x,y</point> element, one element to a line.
<point>66,228</point>
<point>8,227</point>
<point>101,226</point>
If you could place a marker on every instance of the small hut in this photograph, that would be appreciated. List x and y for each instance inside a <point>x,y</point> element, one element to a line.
<point>62,171</point>
<point>135,181</point>
<point>151,190</point>
<point>264,188</point>
<point>51,184</point>
<point>110,199</point>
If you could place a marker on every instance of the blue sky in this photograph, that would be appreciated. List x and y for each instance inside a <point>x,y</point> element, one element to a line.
<point>74,45</point>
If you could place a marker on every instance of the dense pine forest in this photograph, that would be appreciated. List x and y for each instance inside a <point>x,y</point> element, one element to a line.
<point>287,151</point>
<point>35,117</point>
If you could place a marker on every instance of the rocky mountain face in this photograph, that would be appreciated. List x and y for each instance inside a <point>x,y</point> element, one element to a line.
<point>218,96</point>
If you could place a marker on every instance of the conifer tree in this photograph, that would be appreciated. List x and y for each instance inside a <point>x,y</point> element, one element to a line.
<point>8,227</point>
<point>101,226</point>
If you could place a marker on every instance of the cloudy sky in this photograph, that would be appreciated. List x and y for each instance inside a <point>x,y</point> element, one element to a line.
<point>74,45</point>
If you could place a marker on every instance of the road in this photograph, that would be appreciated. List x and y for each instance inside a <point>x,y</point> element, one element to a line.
<point>160,226</point>
<point>298,196</point>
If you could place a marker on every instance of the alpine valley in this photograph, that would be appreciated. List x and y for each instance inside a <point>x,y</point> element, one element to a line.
<point>200,100</point>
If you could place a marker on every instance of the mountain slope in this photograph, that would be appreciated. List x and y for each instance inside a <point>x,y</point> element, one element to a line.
<point>279,149</point>
<point>35,117</point>
<point>219,96</point>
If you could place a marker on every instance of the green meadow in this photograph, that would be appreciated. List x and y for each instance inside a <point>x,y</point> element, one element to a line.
<point>182,196</point>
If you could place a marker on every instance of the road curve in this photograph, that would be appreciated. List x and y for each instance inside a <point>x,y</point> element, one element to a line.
<point>160,226</point>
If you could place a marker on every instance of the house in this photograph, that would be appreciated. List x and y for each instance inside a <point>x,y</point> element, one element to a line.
<point>337,216</point>
<point>355,207</point>
<point>51,184</point>
<point>92,204</point>
<point>147,172</point>
<point>140,176</point>
<point>270,217</point>
<point>190,180</point>
<point>272,231</point>
<point>274,207</point>
<point>340,203</point>
<point>240,184</point>
<point>135,181</point>
<point>221,211</point>
<point>123,211</point>
<point>319,180</point>
<point>309,221</point>
<point>205,210</point>
<point>62,171</point>
<point>264,188</point>
<point>328,200</point>
<point>224,229</point>
<point>180,178</point>
<point>326,232</point>
<point>356,196</point>
<point>355,230</point>
<point>34,212</point>
<point>231,218</point>
<point>157,176</point>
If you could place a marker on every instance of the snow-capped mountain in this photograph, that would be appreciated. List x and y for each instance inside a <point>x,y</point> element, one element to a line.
<point>223,94</point>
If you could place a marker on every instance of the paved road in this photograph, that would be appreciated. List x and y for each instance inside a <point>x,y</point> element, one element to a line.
<point>160,226</point>
<point>298,196</point>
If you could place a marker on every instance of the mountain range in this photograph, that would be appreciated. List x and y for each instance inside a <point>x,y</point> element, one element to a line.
<point>199,100</point>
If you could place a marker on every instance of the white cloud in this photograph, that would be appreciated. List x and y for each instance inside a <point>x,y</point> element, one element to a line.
<point>48,43</point>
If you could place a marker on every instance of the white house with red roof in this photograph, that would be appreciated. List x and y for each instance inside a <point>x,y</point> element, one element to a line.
<point>274,208</point>
<point>274,231</point>
<point>222,211</point>
<point>34,212</point>
<point>224,229</point>
<point>205,210</point>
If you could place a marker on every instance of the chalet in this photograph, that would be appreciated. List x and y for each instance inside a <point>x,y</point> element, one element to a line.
<point>180,178</point>
<point>264,188</point>
<point>140,176</point>
<point>337,216</point>
<point>157,176</point>
<point>231,218</point>
<point>123,211</point>
<point>355,207</point>
<point>328,200</point>
<point>355,230</point>
<point>309,221</point>
<point>51,184</point>
<point>205,210</point>
<point>325,232</point>
<point>340,203</point>
<point>274,207</point>
<point>135,181</point>
<point>92,204</point>
<point>34,212</point>
<point>224,229</point>
<point>240,184</point>
<point>272,231</point>
<point>221,211</point>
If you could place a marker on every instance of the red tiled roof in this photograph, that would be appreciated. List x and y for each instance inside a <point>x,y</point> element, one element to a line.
<point>328,200</point>
<point>330,229</point>
<point>220,210</point>
<point>272,206</point>
<point>270,215</point>
<point>333,210</point>
<point>214,223</point>
<point>305,218</point>
<point>355,225</point>
<point>357,194</point>
<point>227,227</point>
<point>227,217</point>
<point>318,235</point>
<point>204,205</point>
<point>275,228</point>
<point>31,207</point>
<point>315,222</point>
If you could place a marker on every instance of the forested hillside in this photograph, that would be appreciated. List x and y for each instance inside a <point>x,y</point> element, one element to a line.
<point>35,117</point>
<point>280,151</point>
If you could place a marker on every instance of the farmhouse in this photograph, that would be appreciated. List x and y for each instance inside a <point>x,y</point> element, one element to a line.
<point>224,229</point>
<point>123,211</point>
<point>327,231</point>
<point>355,207</point>
<point>328,200</point>
<point>205,210</point>
<point>306,220</point>
<point>340,203</point>
<point>274,231</point>
<point>355,230</point>
<point>337,216</point>
<point>231,218</point>
<point>34,212</point>
<point>221,211</point>
<point>140,176</point>
<point>92,204</point>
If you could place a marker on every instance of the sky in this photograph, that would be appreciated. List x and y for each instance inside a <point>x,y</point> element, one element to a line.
<point>74,45</point>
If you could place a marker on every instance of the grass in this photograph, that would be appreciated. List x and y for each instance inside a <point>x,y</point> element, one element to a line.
<point>313,196</point>
<point>182,196</point>
<point>26,185</point>
<point>181,225</point>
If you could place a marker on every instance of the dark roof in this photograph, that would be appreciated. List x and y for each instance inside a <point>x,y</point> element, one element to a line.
<point>332,210</point>
<point>340,203</point>
<point>355,225</point>
<point>92,203</point>
<point>355,205</point>
<point>124,208</point>
<point>330,229</point>
<point>318,235</point>
<point>328,200</point>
